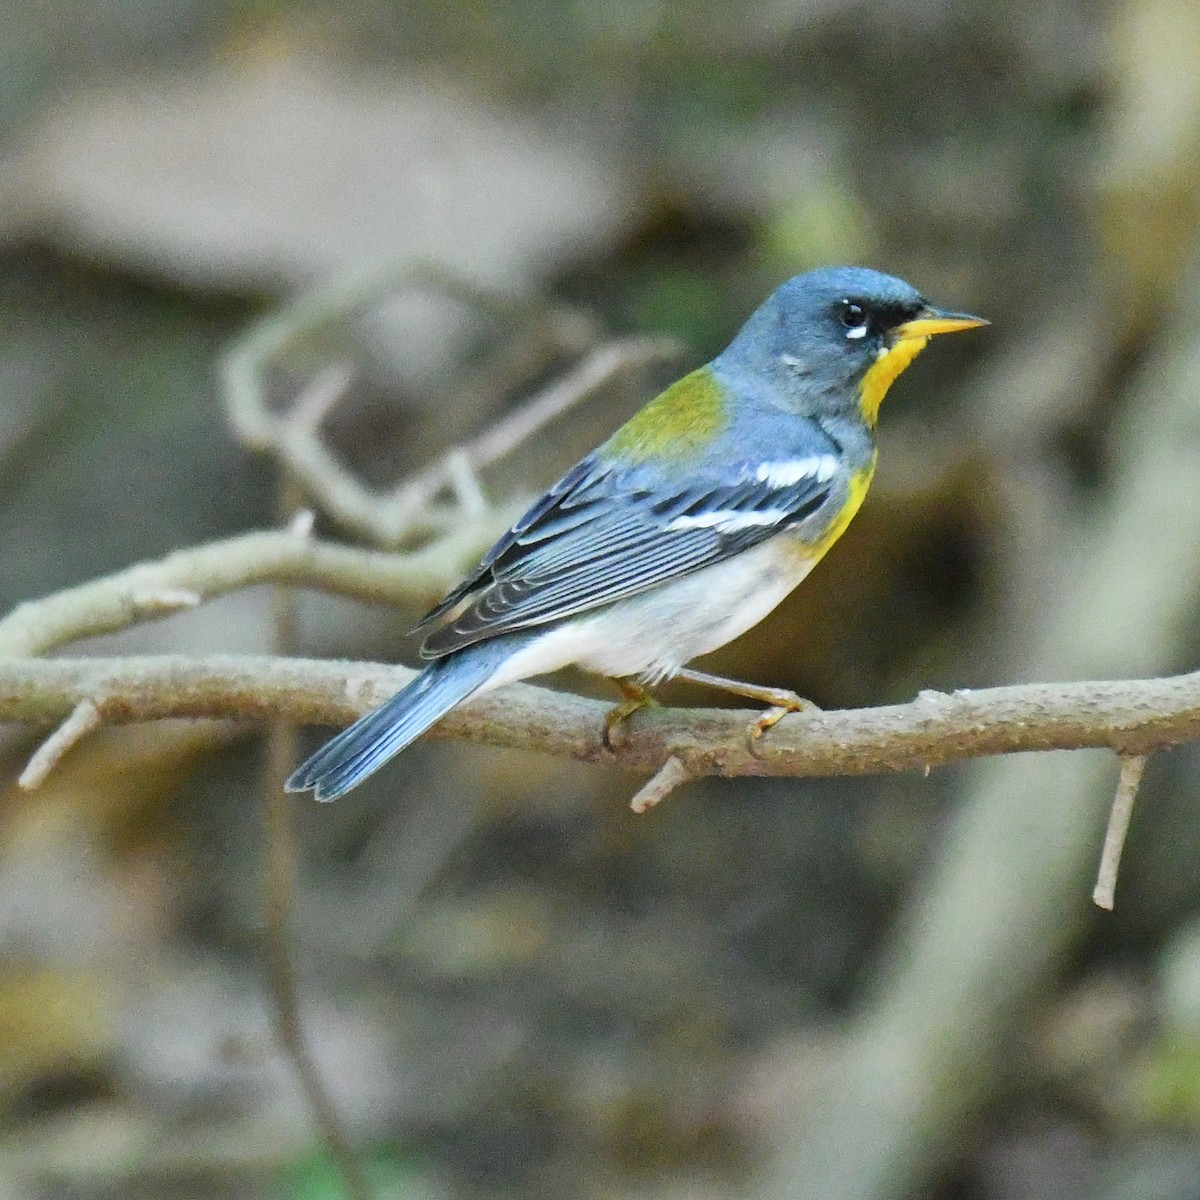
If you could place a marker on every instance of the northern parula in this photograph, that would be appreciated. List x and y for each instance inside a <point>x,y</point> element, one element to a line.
<point>684,529</point>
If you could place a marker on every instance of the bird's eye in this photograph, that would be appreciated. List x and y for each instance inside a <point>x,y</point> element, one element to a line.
<point>854,318</point>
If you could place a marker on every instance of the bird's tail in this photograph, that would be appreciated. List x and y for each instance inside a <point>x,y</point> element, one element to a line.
<point>346,760</point>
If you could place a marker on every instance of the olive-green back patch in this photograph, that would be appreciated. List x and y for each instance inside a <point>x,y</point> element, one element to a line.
<point>679,421</point>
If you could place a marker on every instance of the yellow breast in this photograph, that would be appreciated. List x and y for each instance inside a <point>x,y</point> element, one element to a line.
<point>814,551</point>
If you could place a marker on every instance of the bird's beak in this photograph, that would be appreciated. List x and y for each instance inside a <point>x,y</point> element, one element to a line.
<point>932,321</point>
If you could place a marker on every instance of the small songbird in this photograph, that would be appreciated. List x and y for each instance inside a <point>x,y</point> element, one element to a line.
<point>684,529</point>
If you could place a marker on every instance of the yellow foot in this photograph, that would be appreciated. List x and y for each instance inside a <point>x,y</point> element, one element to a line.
<point>782,703</point>
<point>636,697</point>
<point>781,700</point>
<point>785,702</point>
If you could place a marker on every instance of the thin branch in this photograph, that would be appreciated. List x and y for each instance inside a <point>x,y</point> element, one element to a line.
<point>1129,716</point>
<point>289,325</point>
<point>279,864</point>
<point>279,894</point>
<point>85,718</point>
<point>142,592</point>
<point>1132,766</point>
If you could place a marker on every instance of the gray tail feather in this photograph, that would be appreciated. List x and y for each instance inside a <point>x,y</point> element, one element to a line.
<point>346,760</point>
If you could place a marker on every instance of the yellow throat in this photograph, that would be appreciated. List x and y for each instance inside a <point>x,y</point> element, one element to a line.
<point>910,339</point>
<point>884,371</point>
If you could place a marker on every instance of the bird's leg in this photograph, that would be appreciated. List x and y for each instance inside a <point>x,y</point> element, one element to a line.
<point>781,700</point>
<point>636,697</point>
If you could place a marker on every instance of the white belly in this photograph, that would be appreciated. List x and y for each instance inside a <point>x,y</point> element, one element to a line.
<point>651,636</point>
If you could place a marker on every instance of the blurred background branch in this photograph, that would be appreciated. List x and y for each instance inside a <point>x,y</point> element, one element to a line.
<point>280,868</point>
<point>294,437</point>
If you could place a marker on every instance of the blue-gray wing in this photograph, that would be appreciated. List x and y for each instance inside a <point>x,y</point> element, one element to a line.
<point>602,534</point>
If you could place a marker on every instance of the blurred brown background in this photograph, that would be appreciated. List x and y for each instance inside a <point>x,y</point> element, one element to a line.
<point>859,988</point>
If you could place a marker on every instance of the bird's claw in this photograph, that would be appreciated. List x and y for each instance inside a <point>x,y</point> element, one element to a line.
<point>783,702</point>
<point>620,713</point>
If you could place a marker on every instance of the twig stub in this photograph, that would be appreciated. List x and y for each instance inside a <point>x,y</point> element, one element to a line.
<point>85,718</point>
<point>660,785</point>
<point>1132,766</point>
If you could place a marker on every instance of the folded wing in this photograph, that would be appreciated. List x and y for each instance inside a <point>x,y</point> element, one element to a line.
<point>603,534</point>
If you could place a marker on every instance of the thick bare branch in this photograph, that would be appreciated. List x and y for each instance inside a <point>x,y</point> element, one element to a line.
<point>1130,716</point>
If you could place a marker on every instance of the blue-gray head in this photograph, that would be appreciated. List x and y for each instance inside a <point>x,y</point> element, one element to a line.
<point>837,337</point>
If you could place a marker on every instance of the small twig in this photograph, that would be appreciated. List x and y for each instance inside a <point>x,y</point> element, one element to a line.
<point>279,865</point>
<point>85,718</point>
<point>660,785</point>
<point>465,484</point>
<point>302,523</point>
<point>597,369</point>
<point>390,517</point>
<point>243,365</point>
<point>336,301</point>
<point>293,435</point>
<point>1132,766</point>
<point>297,434</point>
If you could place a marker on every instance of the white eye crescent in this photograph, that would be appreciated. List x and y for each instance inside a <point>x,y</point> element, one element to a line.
<point>854,318</point>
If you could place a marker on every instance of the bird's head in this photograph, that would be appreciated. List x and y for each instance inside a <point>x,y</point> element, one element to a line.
<point>839,337</point>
